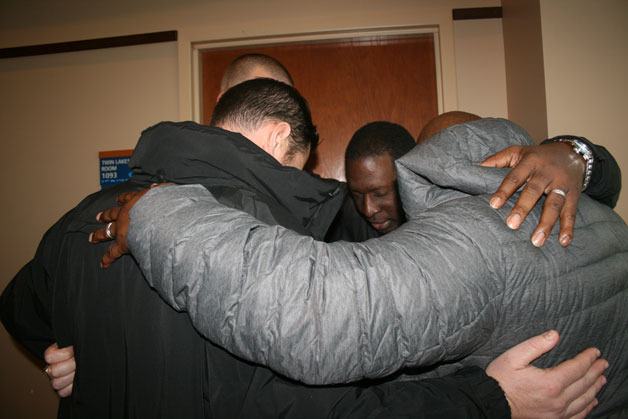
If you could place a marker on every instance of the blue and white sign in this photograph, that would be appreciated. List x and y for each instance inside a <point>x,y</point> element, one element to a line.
<point>114,167</point>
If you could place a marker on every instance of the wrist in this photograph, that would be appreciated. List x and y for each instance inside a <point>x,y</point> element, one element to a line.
<point>582,154</point>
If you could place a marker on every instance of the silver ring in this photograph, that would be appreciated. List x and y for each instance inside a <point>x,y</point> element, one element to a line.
<point>559,192</point>
<point>108,233</point>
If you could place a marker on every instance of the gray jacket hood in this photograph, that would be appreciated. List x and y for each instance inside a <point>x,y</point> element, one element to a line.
<point>446,166</point>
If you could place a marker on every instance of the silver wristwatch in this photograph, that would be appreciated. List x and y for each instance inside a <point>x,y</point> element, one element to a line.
<point>583,150</point>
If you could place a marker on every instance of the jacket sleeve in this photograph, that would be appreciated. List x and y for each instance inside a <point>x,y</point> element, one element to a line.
<point>315,312</point>
<point>26,305</point>
<point>466,394</point>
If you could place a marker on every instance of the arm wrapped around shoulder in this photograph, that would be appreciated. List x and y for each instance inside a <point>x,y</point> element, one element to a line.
<point>316,312</point>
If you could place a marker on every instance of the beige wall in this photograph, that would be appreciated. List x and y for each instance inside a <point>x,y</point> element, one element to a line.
<point>585,48</point>
<point>566,66</point>
<point>59,110</point>
<point>480,67</point>
<point>199,21</point>
<point>525,78</point>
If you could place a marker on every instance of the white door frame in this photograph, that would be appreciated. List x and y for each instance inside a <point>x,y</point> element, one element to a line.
<point>197,47</point>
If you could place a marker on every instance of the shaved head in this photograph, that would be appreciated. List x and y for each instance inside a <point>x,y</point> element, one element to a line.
<point>252,66</point>
<point>444,121</point>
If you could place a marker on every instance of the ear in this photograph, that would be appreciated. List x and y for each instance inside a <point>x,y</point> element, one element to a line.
<point>280,140</point>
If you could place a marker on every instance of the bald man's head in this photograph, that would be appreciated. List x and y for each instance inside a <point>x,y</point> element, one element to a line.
<point>253,66</point>
<point>444,121</point>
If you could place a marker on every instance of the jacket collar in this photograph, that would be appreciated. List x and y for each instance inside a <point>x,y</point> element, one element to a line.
<point>186,152</point>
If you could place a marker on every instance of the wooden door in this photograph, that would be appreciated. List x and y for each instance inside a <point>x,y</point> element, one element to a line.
<point>347,84</point>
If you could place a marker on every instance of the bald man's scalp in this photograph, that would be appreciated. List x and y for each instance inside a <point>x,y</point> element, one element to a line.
<point>250,66</point>
<point>444,121</point>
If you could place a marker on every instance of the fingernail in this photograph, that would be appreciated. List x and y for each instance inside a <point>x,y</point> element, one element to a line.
<point>514,221</point>
<point>604,380</point>
<point>47,370</point>
<point>91,236</point>
<point>598,353</point>
<point>607,365</point>
<point>549,335</point>
<point>98,216</point>
<point>538,239</point>
<point>565,239</point>
<point>495,202</point>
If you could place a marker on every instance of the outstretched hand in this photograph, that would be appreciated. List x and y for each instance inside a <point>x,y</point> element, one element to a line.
<point>117,227</point>
<point>551,169</point>
<point>567,390</point>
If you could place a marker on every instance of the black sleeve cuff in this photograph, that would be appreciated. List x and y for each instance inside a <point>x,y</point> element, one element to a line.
<point>486,391</point>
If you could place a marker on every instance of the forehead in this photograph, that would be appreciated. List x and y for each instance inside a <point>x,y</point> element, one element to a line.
<point>371,172</point>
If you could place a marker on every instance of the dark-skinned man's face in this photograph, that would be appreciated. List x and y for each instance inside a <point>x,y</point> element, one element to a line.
<point>372,181</point>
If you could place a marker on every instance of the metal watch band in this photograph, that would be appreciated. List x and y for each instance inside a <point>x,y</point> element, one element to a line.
<point>585,151</point>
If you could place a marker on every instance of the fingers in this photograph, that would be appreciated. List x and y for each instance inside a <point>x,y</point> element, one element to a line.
<point>118,225</point>
<point>61,369</point>
<point>572,370</point>
<point>521,355</point>
<point>66,391</point>
<point>508,157</point>
<point>511,184</point>
<point>532,192</point>
<point>552,208</point>
<point>62,382</point>
<point>586,411</point>
<point>110,214</point>
<point>128,196</point>
<point>50,350</point>
<point>53,354</point>
<point>568,218</point>
<point>540,166</point>
<point>114,252</point>
<point>583,392</point>
<point>100,235</point>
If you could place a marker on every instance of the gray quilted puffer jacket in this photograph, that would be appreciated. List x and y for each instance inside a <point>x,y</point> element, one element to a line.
<point>453,286</point>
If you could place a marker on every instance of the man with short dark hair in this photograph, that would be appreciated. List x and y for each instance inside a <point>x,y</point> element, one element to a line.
<point>135,355</point>
<point>61,363</point>
<point>269,106</point>
<point>371,175</point>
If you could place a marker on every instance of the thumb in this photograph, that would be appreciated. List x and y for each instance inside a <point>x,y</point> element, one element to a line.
<point>508,157</point>
<point>527,351</point>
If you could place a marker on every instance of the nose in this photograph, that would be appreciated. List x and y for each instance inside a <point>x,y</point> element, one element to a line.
<point>370,208</point>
